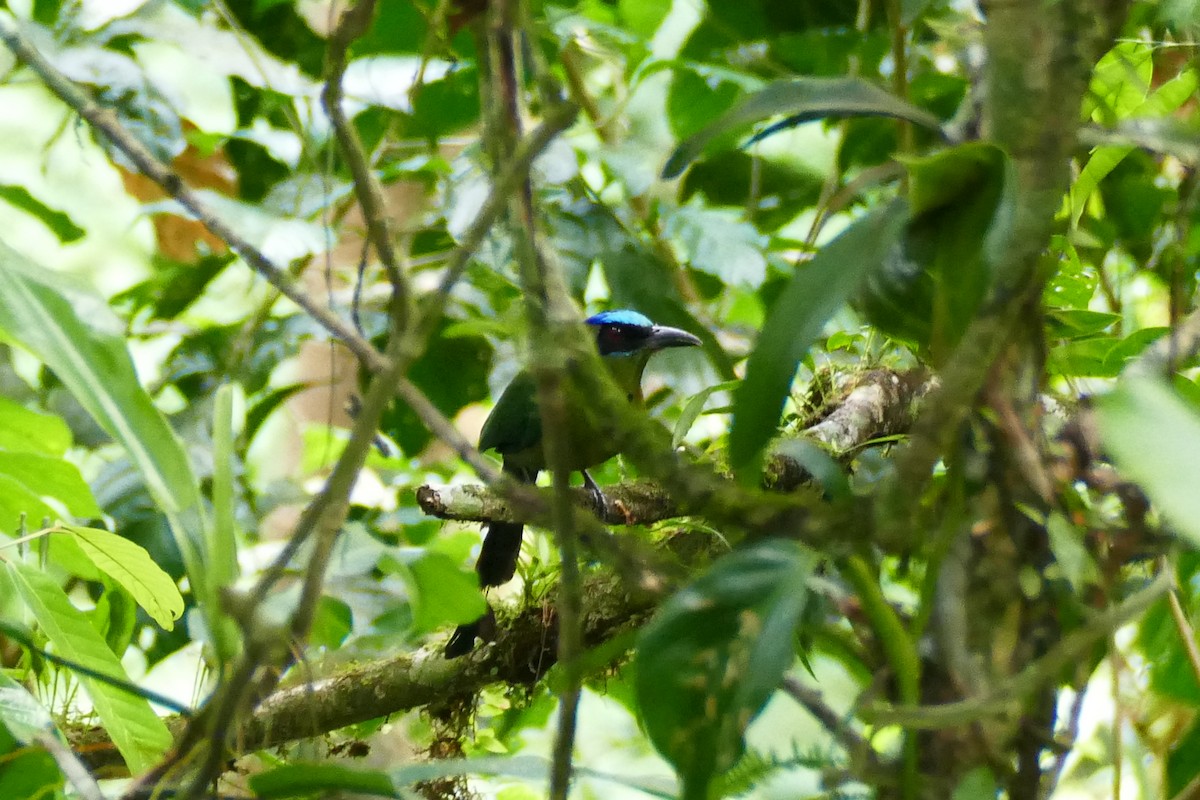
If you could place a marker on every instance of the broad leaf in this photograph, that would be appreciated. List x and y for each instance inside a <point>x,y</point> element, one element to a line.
<point>442,592</point>
<point>1153,436</point>
<point>135,729</point>
<point>713,655</point>
<point>931,287</point>
<point>304,780</point>
<point>816,291</point>
<point>25,431</point>
<point>801,100</point>
<point>47,476</point>
<point>1164,100</point>
<point>131,566</point>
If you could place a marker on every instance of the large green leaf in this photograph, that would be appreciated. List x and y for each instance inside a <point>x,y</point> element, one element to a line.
<point>800,100</point>
<point>930,289</point>
<point>131,566</point>
<point>47,476</point>
<point>713,655</point>
<point>135,729</point>
<point>1153,436</point>
<point>441,591</point>
<point>816,291</point>
<point>25,431</point>
<point>95,366</point>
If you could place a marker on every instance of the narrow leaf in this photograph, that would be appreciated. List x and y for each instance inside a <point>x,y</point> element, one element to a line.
<point>96,367</point>
<point>817,290</point>
<point>694,407</point>
<point>135,729</point>
<point>801,100</point>
<point>131,566</point>
<point>713,655</point>
<point>59,223</point>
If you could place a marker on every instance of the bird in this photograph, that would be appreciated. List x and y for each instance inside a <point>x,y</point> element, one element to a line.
<point>625,340</point>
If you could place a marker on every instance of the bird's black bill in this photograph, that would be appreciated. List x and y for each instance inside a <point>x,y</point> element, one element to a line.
<point>662,337</point>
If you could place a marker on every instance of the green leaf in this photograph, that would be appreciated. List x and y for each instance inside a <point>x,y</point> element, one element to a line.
<point>978,784</point>
<point>1120,81</point>
<point>25,772</point>
<point>816,291</point>
<point>801,100</point>
<point>713,655</point>
<point>1069,323</point>
<point>694,407</point>
<point>1153,436</point>
<point>135,729</point>
<point>59,223</point>
<point>332,623</point>
<point>718,241</point>
<point>304,780</point>
<point>930,289</point>
<point>47,476</point>
<point>443,592</point>
<point>1103,160</point>
<point>24,717</point>
<point>1070,552</point>
<point>20,505</point>
<point>131,566</point>
<point>696,98</point>
<point>95,366</point>
<point>22,430</point>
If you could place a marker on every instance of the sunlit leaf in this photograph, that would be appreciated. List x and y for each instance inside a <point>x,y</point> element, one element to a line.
<point>135,729</point>
<point>59,223</point>
<point>1153,436</point>
<point>131,566</point>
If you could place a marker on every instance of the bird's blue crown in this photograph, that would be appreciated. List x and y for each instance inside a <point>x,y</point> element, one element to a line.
<point>621,316</point>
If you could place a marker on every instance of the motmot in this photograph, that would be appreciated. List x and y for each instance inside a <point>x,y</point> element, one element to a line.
<point>625,340</point>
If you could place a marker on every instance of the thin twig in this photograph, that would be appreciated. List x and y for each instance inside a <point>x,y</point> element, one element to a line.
<point>106,122</point>
<point>1034,676</point>
<point>1186,633</point>
<point>507,181</point>
<point>354,22</point>
<point>545,292</point>
<point>837,724</point>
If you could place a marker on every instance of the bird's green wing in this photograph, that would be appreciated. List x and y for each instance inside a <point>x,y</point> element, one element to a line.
<point>515,423</point>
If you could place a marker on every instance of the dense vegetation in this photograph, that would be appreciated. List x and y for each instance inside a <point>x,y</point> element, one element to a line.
<point>918,520</point>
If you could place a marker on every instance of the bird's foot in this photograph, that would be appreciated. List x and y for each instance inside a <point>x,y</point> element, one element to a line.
<point>600,503</point>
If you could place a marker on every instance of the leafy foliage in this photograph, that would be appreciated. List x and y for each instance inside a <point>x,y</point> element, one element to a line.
<point>908,271</point>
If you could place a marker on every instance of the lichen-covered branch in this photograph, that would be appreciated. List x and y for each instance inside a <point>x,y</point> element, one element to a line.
<point>879,403</point>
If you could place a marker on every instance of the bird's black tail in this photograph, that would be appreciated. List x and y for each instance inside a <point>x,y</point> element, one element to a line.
<point>497,563</point>
<point>462,641</point>
<point>502,542</point>
<point>498,556</point>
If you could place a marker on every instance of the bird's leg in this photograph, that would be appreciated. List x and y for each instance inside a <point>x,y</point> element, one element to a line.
<point>599,501</point>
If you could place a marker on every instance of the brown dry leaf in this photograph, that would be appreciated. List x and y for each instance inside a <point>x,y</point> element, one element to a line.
<point>179,238</point>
